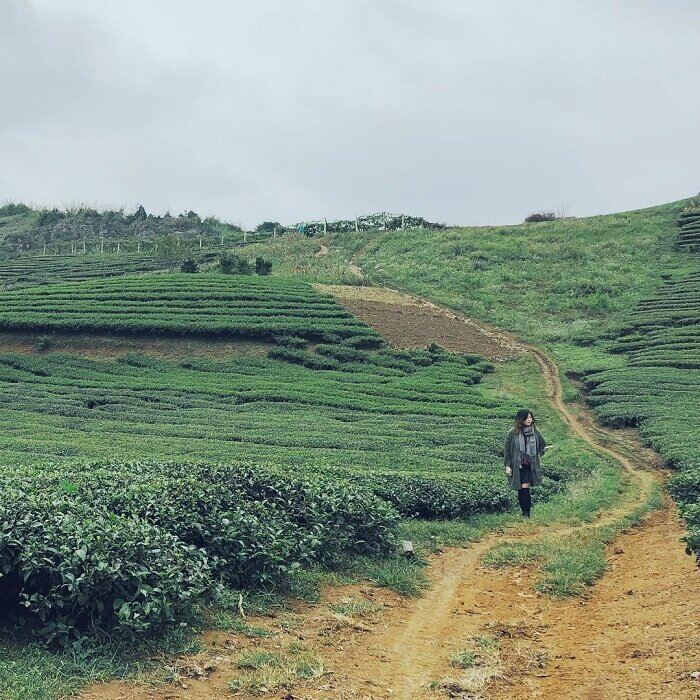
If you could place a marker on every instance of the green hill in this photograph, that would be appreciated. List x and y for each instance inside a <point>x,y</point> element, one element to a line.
<point>615,299</point>
<point>83,229</point>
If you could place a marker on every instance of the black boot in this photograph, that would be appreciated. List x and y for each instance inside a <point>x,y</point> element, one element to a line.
<point>525,501</point>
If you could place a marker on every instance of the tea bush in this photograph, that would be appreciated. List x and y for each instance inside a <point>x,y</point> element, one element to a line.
<point>123,549</point>
<point>657,388</point>
<point>183,304</point>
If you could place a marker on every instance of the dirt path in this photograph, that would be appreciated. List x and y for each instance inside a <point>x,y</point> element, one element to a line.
<point>635,636</point>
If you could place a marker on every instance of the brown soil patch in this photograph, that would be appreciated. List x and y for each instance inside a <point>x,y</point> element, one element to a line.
<point>97,346</point>
<point>408,322</point>
<point>635,637</point>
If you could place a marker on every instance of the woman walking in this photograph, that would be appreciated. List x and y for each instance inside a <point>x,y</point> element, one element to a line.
<point>524,447</point>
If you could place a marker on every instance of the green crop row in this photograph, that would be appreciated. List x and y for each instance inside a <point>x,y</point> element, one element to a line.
<point>33,270</point>
<point>689,229</point>
<point>417,414</point>
<point>182,304</point>
<point>658,388</point>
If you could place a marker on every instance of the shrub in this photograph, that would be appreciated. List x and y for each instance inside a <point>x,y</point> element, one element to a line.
<point>189,265</point>
<point>262,266</point>
<point>124,549</point>
<point>232,264</point>
<point>268,226</point>
<point>537,217</point>
<point>80,569</point>
<point>49,217</point>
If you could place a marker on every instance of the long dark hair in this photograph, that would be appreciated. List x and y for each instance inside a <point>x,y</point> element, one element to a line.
<point>520,417</point>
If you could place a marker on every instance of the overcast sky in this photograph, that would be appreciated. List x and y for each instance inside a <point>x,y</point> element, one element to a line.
<point>458,111</point>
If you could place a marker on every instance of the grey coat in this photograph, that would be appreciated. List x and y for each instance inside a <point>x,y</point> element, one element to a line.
<point>511,458</point>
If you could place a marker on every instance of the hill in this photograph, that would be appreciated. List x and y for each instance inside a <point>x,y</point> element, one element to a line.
<point>83,229</point>
<point>614,298</point>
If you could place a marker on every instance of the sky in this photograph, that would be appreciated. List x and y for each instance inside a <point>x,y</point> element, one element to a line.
<point>463,112</point>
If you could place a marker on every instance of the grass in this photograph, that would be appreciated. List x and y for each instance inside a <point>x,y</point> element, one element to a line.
<point>480,663</point>
<point>569,565</point>
<point>464,659</point>
<point>29,671</point>
<point>357,607</point>
<point>264,672</point>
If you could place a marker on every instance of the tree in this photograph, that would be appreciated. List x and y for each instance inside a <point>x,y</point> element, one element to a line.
<point>262,266</point>
<point>232,264</point>
<point>189,265</point>
<point>268,226</point>
<point>171,250</point>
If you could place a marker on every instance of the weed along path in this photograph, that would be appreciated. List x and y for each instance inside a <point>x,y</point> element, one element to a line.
<point>479,631</point>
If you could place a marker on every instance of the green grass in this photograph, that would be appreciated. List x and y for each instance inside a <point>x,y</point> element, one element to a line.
<point>569,565</point>
<point>28,672</point>
<point>560,281</point>
<point>263,672</point>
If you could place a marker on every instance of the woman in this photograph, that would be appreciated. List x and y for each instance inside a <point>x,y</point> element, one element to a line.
<point>524,447</point>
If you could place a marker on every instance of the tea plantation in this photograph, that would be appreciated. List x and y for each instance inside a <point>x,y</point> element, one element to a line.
<point>138,486</point>
<point>659,386</point>
<point>31,270</point>
<point>206,304</point>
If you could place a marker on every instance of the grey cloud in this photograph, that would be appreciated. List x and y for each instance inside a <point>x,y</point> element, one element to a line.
<point>464,112</point>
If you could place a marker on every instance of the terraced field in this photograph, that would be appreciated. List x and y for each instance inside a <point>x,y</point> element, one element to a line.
<point>30,270</point>
<point>234,471</point>
<point>689,229</point>
<point>416,427</point>
<point>658,388</point>
<point>205,304</point>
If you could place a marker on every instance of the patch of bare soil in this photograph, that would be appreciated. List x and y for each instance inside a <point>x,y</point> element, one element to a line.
<point>102,346</point>
<point>408,322</point>
<point>636,635</point>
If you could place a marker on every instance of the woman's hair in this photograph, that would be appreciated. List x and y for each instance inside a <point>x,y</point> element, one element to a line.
<point>520,417</point>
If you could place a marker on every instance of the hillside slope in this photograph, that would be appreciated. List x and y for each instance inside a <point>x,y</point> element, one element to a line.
<point>573,286</point>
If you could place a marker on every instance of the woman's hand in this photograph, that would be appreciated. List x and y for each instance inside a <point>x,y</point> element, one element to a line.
<point>509,471</point>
